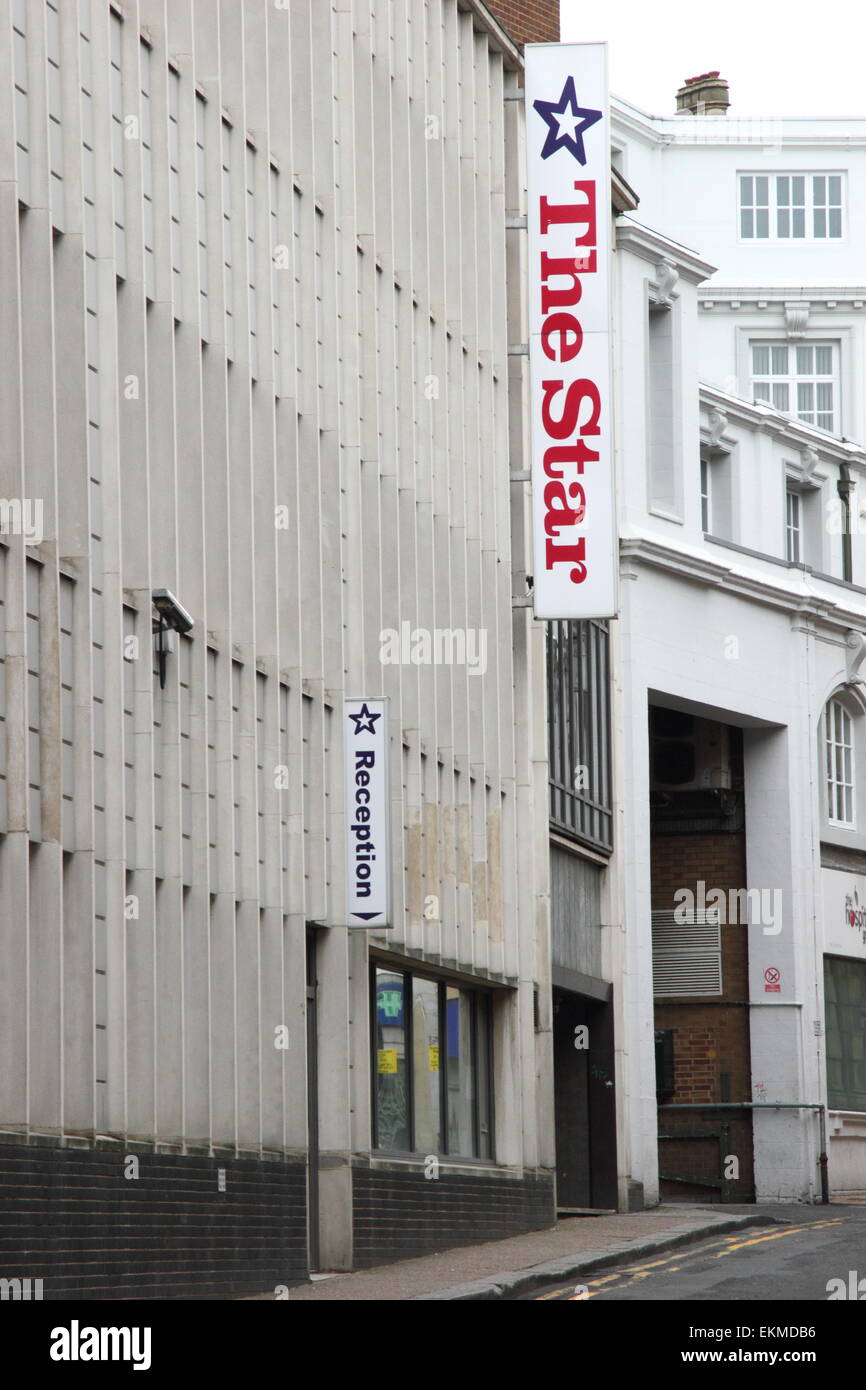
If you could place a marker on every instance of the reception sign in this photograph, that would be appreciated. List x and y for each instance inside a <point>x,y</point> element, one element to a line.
<point>368,839</point>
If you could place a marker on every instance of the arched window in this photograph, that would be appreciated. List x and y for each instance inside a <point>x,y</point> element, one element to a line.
<point>839,763</point>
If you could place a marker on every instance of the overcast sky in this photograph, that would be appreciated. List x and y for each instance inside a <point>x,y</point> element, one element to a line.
<point>780,59</point>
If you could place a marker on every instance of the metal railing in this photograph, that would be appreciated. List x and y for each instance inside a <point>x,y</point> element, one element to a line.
<point>724,1130</point>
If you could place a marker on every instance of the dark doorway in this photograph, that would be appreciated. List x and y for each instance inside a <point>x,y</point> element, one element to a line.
<point>312,1105</point>
<point>700,957</point>
<point>584,1102</point>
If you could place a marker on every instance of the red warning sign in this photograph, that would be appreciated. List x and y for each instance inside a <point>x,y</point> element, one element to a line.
<point>772,976</point>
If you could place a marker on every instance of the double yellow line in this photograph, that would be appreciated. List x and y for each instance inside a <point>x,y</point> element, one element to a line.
<point>649,1267</point>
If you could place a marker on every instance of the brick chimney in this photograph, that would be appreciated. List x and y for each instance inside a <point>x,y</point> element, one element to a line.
<point>527,21</point>
<point>704,95</point>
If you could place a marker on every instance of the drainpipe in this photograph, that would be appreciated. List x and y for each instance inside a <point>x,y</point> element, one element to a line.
<point>822,1159</point>
<point>844,487</point>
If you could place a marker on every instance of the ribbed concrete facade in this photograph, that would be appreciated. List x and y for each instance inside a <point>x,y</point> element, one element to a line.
<point>256,298</point>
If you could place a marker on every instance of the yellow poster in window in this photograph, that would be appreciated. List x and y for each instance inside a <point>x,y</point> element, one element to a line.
<point>388,1060</point>
<point>434,1058</point>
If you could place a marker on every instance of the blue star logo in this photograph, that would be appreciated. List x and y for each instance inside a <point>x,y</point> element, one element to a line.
<point>567,122</point>
<point>360,726</point>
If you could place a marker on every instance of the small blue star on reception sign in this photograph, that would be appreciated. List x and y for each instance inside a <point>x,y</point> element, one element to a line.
<point>568,123</point>
<point>364,714</point>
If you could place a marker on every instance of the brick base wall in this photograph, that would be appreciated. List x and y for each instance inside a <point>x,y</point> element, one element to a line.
<point>399,1214</point>
<point>71,1218</point>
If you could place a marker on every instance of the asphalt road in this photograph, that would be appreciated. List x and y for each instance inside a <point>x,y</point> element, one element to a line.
<point>794,1260</point>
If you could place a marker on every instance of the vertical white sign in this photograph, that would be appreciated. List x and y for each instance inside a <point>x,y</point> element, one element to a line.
<point>568,176</point>
<point>368,838</point>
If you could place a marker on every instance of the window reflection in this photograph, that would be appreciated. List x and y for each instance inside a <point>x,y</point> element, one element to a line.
<point>461,1072</point>
<point>425,1050</point>
<point>432,1066</point>
<point>392,1097</point>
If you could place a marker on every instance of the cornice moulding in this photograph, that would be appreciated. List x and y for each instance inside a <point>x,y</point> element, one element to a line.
<point>755,132</point>
<point>652,246</point>
<point>836,617</point>
<point>812,295</point>
<point>764,417</point>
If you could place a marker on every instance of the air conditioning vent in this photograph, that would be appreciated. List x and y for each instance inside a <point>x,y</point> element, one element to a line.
<point>687,956</point>
<point>674,763</point>
<point>689,755</point>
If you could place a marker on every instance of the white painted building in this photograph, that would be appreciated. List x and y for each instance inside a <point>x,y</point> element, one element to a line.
<point>741,453</point>
<point>257,290</point>
<point>778,206</point>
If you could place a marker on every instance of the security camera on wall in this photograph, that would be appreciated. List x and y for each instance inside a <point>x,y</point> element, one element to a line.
<point>173,614</point>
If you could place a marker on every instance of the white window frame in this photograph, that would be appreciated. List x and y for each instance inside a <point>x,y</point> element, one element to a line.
<point>706,499</point>
<point>793,526</point>
<point>839,741</point>
<point>790,382</point>
<point>774,194</point>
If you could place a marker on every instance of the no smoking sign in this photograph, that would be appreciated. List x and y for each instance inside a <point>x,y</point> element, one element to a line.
<point>772,976</point>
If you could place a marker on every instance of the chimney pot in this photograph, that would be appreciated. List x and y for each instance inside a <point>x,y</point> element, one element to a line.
<point>704,95</point>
